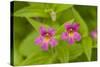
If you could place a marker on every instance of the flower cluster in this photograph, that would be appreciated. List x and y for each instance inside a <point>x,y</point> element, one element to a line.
<point>47,38</point>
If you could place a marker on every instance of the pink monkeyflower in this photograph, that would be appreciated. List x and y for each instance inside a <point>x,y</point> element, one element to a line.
<point>71,34</point>
<point>46,38</point>
<point>94,34</point>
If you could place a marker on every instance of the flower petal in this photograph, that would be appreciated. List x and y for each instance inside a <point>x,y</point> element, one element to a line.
<point>51,31</point>
<point>43,31</point>
<point>39,40</point>
<point>94,34</point>
<point>64,36</point>
<point>68,26</point>
<point>75,26</point>
<point>77,36</point>
<point>71,40</point>
<point>44,46</point>
<point>53,42</point>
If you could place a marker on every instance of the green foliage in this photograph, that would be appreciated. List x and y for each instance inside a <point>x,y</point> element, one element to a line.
<point>65,16</point>
<point>83,27</point>
<point>21,28</point>
<point>62,52</point>
<point>87,47</point>
<point>35,24</point>
<point>29,49</point>
<point>38,58</point>
<point>31,16</point>
<point>62,27</point>
<point>68,52</point>
<point>19,5</point>
<point>89,14</point>
<point>31,12</point>
<point>17,58</point>
<point>27,46</point>
<point>62,7</point>
<point>75,51</point>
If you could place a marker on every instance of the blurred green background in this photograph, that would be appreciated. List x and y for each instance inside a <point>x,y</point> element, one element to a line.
<point>29,16</point>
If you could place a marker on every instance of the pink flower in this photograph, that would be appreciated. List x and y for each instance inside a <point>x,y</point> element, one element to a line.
<point>71,34</point>
<point>94,34</point>
<point>46,37</point>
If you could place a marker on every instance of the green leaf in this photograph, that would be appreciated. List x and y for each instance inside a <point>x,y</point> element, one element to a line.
<point>39,58</point>
<point>94,45</point>
<point>31,11</point>
<point>62,52</point>
<point>75,51</point>
<point>34,54</point>
<point>87,12</point>
<point>83,27</point>
<point>21,28</point>
<point>28,47</point>
<point>68,52</point>
<point>19,5</point>
<point>62,27</point>
<point>18,58</point>
<point>62,7</point>
<point>94,54</point>
<point>35,24</point>
<point>64,16</point>
<point>87,47</point>
<point>92,24</point>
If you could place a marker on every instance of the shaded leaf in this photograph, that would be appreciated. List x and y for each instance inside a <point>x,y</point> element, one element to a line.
<point>81,58</point>
<point>75,51</point>
<point>28,47</point>
<point>68,52</point>
<point>35,24</point>
<point>94,44</point>
<point>21,28</point>
<point>19,5</point>
<point>62,52</point>
<point>49,6</point>
<point>87,47</point>
<point>83,26</point>
<point>94,54</point>
<point>62,7</point>
<point>64,16</point>
<point>39,58</point>
<point>17,58</point>
<point>31,11</point>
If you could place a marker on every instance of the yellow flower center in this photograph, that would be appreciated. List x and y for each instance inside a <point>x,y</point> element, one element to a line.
<point>47,37</point>
<point>71,32</point>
